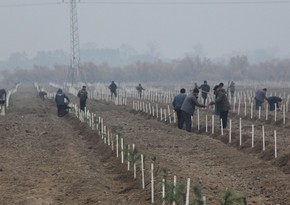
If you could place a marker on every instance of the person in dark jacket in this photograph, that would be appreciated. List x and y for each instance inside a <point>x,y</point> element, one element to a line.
<point>61,101</point>
<point>3,96</point>
<point>216,112</point>
<point>232,89</point>
<point>113,89</point>
<point>272,101</point>
<point>260,97</point>
<point>83,95</point>
<point>188,107</point>
<point>177,103</point>
<point>139,89</point>
<point>222,104</point>
<point>204,91</point>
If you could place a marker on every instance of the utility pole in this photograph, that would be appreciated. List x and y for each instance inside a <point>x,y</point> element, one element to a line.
<point>74,74</point>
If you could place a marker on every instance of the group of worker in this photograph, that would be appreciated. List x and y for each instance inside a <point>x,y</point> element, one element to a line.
<point>62,100</point>
<point>184,104</point>
<point>261,97</point>
<point>113,88</point>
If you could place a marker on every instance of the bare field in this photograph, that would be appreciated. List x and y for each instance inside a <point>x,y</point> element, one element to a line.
<point>49,160</point>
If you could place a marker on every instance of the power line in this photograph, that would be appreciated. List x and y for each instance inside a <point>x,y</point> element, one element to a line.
<point>150,3</point>
<point>188,2</point>
<point>30,4</point>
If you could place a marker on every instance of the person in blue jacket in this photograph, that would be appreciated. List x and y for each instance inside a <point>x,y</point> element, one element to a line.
<point>177,103</point>
<point>3,96</point>
<point>61,101</point>
<point>260,98</point>
<point>272,101</point>
<point>188,107</point>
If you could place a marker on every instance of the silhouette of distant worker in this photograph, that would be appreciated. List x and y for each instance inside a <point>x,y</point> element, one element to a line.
<point>3,96</point>
<point>2,101</point>
<point>83,95</point>
<point>232,89</point>
<point>113,89</point>
<point>139,88</point>
<point>42,94</point>
<point>204,91</point>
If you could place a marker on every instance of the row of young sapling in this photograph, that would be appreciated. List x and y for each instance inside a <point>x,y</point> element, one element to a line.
<point>242,103</point>
<point>168,115</point>
<point>166,191</point>
<point>7,98</point>
<point>171,192</point>
<point>209,123</point>
<point>166,95</point>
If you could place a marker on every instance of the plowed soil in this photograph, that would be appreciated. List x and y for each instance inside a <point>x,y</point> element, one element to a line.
<point>45,159</point>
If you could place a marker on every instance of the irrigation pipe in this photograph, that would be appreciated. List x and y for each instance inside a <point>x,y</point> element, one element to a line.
<point>230,132</point>
<point>157,110</point>
<point>122,150</point>
<point>253,135</point>
<point>245,111</point>
<point>112,142</point>
<point>165,119</point>
<point>152,183</point>
<point>142,171</point>
<point>206,126</point>
<point>212,124</point>
<point>134,164</point>
<point>117,146</point>
<point>239,107</point>
<point>128,156</point>
<point>174,190</point>
<point>222,129</point>
<point>163,191</point>
<point>198,124</point>
<point>284,115</point>
<point>263,137</point>
<point>187,192</point>
<point>275,112</point>
<point>204,200</point>
<point>252,110</point>
<point>108,138</point>
<point>275,142</point>
<point>240,131</point>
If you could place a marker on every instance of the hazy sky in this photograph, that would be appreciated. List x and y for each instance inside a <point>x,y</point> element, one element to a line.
<point>176,29</point>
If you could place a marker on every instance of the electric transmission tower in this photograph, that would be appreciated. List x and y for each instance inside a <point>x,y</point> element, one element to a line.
<point>74,73</point>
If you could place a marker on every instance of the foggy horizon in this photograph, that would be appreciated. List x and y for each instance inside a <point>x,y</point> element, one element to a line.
<point>166,30</point>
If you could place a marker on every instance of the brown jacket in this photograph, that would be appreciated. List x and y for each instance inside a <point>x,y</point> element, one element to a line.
<point>221,101</point>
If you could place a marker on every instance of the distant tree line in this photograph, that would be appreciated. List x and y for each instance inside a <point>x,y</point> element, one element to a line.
<point>114,57</point>
<point>188,69</point>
